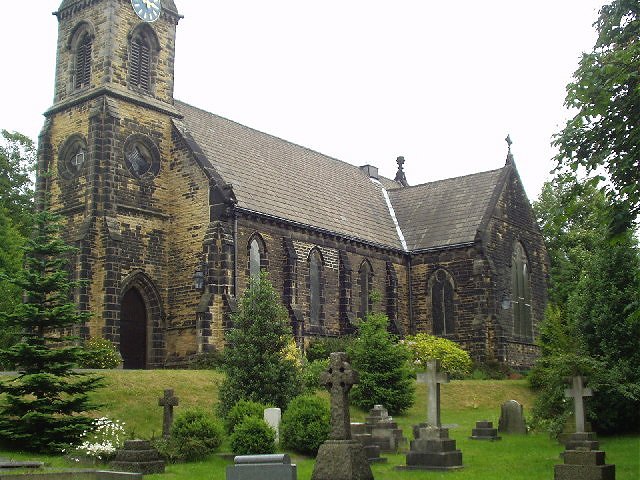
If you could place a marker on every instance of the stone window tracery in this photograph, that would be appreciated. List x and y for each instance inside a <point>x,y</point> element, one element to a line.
<point>442,303</point>
<point>521,293</point>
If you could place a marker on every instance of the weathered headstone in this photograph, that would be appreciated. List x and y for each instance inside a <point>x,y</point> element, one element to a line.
<point>360,433</point>
<point>262,467</point>
<point>273,417</point>
<point>484,431</point>
<point>512,418</point>
<point>432,449</point>
<point>168,401</point>
<point>582,459</point>
<point>138,456</point>
<point>340,457</point>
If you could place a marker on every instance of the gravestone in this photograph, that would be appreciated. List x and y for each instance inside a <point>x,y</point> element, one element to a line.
<point>138,456</point>
<point>360,433</point>
<point>273,417</point>
<point>168,402</point>
<point>384,430</point>
<point>262,467</point>
<point>582,459</point>
<point>512,418</point>
<point>8,464</point>
<point>432,449</point>
<point>484,431</point>
<point>340,457</point>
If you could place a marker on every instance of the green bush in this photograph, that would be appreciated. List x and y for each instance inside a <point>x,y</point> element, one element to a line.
<point>320,348</point>
<point>305,424</point>
<point>311,374</point>
<point>490,370</point>
<point>253,436</point>
<point>382,362</point>
<point>241,410</point>
<point>206,361</point>
<point>98,352</point>
<point>194,436</point>
<point>453,359</point>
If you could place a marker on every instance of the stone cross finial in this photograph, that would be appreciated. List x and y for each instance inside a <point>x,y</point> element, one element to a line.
<point>400,176</point>
<point>338,379</point>
<point>168,402</point>
<point>433,378</point>
<point>578,391</point>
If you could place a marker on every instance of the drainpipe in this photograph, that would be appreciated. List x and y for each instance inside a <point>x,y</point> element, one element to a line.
<point>412,327</point>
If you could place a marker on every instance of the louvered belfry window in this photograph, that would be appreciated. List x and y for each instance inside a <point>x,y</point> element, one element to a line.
<point>83,62</point>
<point>140,63</point>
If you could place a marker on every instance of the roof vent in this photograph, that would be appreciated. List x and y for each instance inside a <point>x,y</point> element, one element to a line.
<point>370,171</point>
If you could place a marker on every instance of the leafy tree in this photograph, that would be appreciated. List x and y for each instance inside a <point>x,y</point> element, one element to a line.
<point>592,325</point>
<point>605,92</point>
<point>17,163</point>
<point>17,159</point>
<point>385,377</point>
<point>44,404</point>
<point>255,362</point>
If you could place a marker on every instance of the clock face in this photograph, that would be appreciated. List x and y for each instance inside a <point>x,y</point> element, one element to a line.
<point>147,10</point>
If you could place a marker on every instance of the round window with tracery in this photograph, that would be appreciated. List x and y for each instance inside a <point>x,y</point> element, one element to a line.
<point>141,157</point>
<point>72,157</point>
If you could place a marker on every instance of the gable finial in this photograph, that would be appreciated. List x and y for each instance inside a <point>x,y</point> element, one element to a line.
<point>400,177</point>
<point>509,154</point>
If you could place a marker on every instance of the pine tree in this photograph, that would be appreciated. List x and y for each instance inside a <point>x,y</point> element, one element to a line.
<point>255,362</point>
<point>44,404</point>
<point>385,377</point>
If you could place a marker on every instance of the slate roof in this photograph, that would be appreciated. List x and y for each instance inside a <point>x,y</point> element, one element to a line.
<point>274,177</point>
<point>445,212</point>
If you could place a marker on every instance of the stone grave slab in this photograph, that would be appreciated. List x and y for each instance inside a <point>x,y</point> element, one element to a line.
<point>431,448</point>
<point>138,456</point>
<point>262,467</point>
<point>484,431</point>
<point>73,475</point>
<point>512,418</point>
<point>384,430</point>
<point>371,450</point>
<point>340,457</point>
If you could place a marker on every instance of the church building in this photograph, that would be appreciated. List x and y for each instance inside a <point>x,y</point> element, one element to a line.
<point>173,209</point>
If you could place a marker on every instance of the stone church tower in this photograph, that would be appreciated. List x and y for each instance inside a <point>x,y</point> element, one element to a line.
<point>174,209</point>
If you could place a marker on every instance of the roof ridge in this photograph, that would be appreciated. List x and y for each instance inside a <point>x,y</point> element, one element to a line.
<point>351,165</point>
<point>447,179</point>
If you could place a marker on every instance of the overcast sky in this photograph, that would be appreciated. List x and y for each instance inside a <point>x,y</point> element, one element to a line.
<point>439,82</point>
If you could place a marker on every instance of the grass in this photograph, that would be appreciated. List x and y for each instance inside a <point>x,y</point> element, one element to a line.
<point>132,396</point>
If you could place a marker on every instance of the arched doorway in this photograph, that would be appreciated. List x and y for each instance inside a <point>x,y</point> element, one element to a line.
<point>133,330</point>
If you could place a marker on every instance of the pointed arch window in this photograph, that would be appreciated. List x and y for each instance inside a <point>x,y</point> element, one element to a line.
<point>365,276</point>
<point>82,76</point>
<point>442,303</point>
<point>143,53</point>
<point>81,47</point>
<point>521,293</point>
<point>140,63</point>
<point>315,287</point>
<point>257,256</point>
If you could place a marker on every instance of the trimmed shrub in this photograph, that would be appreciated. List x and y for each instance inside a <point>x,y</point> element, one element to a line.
<point>453,359</point>
<point>242,410</point>
<point>253,436</point>
<point>194,436</point>
<point>98,352</point>
<point>321,348</point>
<point>305,424</point>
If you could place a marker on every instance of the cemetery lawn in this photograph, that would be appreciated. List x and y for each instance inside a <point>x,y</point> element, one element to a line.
<point>132,397</point>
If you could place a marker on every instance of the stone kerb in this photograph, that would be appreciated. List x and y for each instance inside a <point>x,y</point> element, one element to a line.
<point>340,457</point>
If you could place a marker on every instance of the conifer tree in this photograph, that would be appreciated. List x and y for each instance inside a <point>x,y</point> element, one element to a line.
<point>43,404</point>
<point>385,377</point>
<point>255,364</point>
